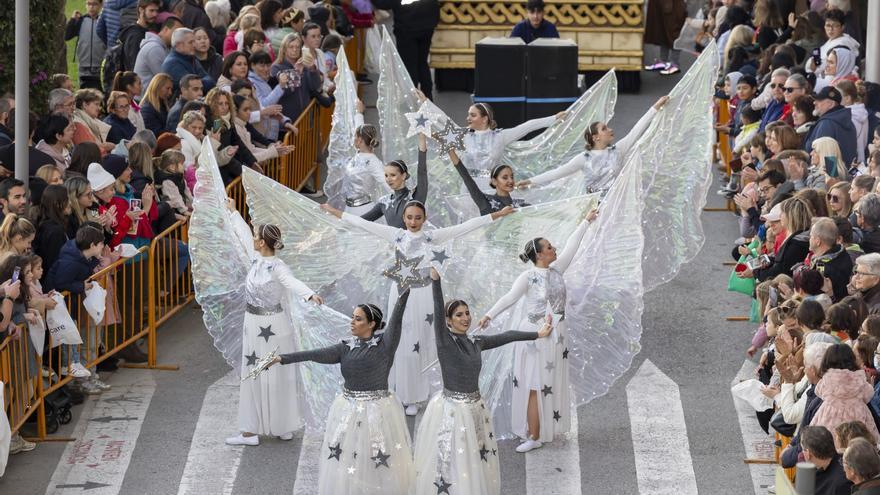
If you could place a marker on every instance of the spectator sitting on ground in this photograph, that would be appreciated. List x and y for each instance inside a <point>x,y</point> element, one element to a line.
<point>534,26</point>
<point>818,447</point>
<point>181,60</point>
<point>862,467</point>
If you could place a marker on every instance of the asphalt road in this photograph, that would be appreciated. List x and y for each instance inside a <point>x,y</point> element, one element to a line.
<point>171,441</point>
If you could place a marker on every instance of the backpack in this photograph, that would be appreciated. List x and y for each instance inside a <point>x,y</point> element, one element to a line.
<point>114,61</point>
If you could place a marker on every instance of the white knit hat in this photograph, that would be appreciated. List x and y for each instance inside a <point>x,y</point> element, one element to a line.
<point>99,178</point>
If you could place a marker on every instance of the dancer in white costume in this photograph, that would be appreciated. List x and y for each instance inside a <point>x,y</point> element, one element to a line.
<point>541,404</point>
<point>456,450</point>
<point>268,404</point>
<point>366,448</point>
<point>363,178</point>
<point>413,246</point>
<point>602,161</point>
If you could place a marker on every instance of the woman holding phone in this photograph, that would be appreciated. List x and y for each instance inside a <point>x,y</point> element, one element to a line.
<point>825,155</point>
<point>296,73</point>
<point>223,110</point>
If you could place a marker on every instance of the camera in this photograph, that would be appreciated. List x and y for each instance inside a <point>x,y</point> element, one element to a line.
<point>759,262</point>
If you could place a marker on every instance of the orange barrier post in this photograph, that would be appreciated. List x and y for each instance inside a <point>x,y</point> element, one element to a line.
<point>23,387</point>
<point>722,145</point>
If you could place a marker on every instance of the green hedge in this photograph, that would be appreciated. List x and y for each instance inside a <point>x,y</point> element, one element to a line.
<point>47,53</point>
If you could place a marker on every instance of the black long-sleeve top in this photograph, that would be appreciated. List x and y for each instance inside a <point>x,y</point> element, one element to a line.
<point>486,203</point>
<point>391,206</point>
<point>364,364</point>
<point>459,355</point>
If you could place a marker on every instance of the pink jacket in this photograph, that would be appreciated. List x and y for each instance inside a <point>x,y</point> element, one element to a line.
<point>844,395</point>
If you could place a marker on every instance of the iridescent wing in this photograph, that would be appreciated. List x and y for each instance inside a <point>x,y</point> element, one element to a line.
<point>676,150</point>
<point>219,262</point>
<point>340,148</point>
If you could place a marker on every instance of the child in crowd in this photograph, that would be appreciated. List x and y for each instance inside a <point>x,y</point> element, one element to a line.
<point>171,184</point>
<point>331,45</point>
<point>77,261</point>
<point>750,120</point>
<point>62,81</point>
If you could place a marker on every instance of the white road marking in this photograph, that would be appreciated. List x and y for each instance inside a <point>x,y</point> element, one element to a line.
<point>211,466</point>
<point>106,433</point>
<point>659,434</point>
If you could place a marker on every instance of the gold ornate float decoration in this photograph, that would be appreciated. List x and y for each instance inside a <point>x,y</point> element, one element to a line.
<point>608,32</point>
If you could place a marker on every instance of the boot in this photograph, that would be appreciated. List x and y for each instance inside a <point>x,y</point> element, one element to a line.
<point>132,354</point>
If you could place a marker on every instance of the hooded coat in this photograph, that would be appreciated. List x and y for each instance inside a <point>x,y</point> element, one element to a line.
<point>845,395</point>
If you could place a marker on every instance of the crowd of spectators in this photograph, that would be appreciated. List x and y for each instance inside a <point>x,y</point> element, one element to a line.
<point>804,175</point>
<point>112,160</point>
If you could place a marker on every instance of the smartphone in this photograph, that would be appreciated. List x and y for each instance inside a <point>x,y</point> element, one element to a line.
<point>831,166</point>
<point>15,274</point>
<point>817,57</point>
<point>135,204</point>
<point>218,124</point>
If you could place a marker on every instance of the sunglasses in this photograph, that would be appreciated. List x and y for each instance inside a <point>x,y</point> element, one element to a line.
<point>833,198</point>
<point>775,85</point>
<point>790,90</point>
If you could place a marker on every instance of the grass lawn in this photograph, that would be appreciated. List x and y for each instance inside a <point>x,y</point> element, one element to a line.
<point>72,69</point>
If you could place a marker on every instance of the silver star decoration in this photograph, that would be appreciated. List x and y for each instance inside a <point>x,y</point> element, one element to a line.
<point>419,122</point>
<point>360,408</point>
<point>381,459</point>
<point>353,343</point>
<point>442,486</point>
<point>549,366</point>
<point>373,342</point>
<point>266,332</point>
<point>460,450</point>
<point>405,271</point>
<point>451,137</point>
<point>439,256</point>
<point>398,446</point>
<point>560,339</point>
<point>472,338</point>
<point>534,279</point>
<point>335,451</point>
<point>351,470</point>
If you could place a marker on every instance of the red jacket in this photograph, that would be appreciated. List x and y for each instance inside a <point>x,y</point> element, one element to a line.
<point>123,223</point>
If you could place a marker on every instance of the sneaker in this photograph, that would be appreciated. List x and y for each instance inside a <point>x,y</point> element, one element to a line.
<point>657,65</point>
<point>90,388</point>
<point>48,373</point>
<point>18,444</point>
<point>287,436</point>
<point>528,445</point>
<point>670,69</point>
<point>412,410</point>
<point>78,371</point>
<point>240,439</point>
<point>98,383</point>
<point>312,194</point>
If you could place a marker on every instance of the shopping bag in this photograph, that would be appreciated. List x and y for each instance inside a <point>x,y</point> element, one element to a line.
<point>750,392</point>
<point>96,302</point>
<point>61,326</point>
<point>37,331</point>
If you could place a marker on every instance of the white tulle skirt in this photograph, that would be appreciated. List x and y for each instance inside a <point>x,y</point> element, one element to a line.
<point>456,448</point>
<point>268,405</point>
<point>416,349</point>
<point>366,446</point>
<point>542,365</point>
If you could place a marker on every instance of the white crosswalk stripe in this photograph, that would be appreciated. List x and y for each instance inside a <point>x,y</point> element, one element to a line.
<point>211,466</point>
<point>106,434</point>
<point>659,434</point>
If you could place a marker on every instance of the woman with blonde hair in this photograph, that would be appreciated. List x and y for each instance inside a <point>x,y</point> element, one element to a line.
<point>839,201</point>
<point>826,156</point>
<point>741,37</point>
<point>796,217</point>
<point>16,235</point>
<point>155,103</point>
<point>51,174</point>
<point>304,80</point>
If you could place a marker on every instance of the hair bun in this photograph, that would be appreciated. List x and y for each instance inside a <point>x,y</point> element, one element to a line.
<point>380,326</point>
<point>524,257</point>
<point>279,246</point>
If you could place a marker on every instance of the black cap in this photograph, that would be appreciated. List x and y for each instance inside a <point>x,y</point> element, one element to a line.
<point>829,93</point>
<point>114,164</point>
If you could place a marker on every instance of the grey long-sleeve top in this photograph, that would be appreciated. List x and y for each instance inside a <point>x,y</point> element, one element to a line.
<point>391,205</point>
<point>459,355</point>
<point>364,364</point>
<point>486,203</point>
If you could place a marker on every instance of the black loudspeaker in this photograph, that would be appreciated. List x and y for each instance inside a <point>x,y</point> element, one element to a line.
<point>551,77</point>
<point>499,64</point>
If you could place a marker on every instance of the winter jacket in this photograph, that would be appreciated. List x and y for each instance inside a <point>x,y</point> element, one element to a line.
<point>48,242</point>
<point>131,38</point>
<point>789,456</point>
<point>178,65</point>
<point>837,124</point>
<point>860,122</point>
<point>869,240</point>
<point>212,64</point>
<point>413,19</point>
<point>267,95</point>
<point>870,487</point>
<point>155,119</point>
<point>120,129</point>
<point>845,395</point>
<point>174,113</point>
<point>295,100</point>
<point>70,270</point>
<point>192,15</point>
<point>90,48</point>
<point>872,299</point>
<point>150,58</point>
<point>793,251</point>
<point>837,266</point>
<point>110,21</point>
<point>772,113</point>
<point>6,135</point>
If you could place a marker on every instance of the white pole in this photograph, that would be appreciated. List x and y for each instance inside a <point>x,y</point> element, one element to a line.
<point>22,88</point>
<point>872,43</point>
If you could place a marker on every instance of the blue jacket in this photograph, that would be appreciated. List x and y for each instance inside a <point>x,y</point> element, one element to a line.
<point>70,270</point>
<point>155,119</point>
<point>178,65</point>
<point>119,129</point>
<point>524,30</point>
<point>836,124</point>
<point>110,22</point>
<point>771,113</point>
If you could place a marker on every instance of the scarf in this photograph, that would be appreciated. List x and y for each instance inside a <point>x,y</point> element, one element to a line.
<point>98,129</point>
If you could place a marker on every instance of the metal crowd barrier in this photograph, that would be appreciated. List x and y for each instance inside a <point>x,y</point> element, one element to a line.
<point>22,387</point>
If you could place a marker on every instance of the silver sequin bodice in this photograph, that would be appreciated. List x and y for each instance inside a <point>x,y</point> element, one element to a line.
<point>362,175</point>
<point>546,289</point>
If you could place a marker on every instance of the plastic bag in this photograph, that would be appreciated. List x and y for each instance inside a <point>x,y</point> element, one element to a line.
<point>37,331</point>
<point>5,432</point>
<point>61,326</point>
<point>687,38</point>
<point>750,392</point>
<point>96,302</point>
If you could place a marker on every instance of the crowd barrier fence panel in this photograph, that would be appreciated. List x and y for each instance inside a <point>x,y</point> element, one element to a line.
<point>22,384</point>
